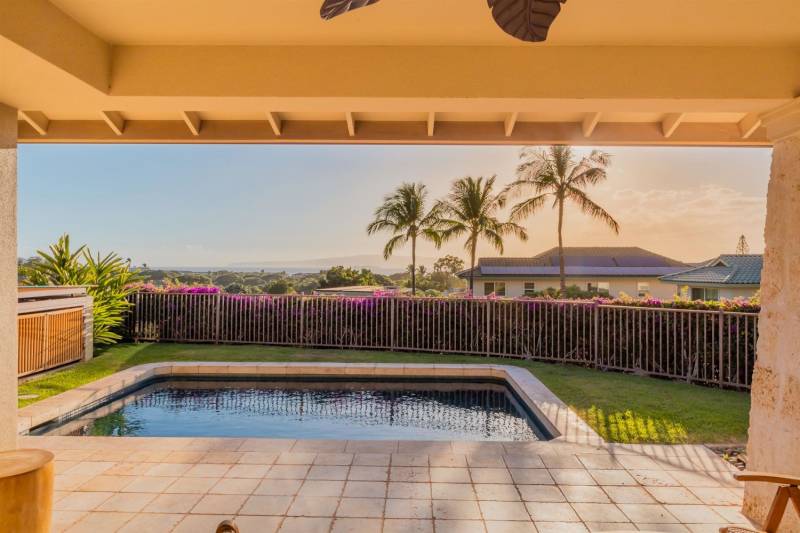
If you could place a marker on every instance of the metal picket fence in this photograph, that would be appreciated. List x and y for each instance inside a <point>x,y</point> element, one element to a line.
<point>705,347</point>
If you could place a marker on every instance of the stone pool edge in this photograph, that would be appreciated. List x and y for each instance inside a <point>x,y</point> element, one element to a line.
<point>563,423</point>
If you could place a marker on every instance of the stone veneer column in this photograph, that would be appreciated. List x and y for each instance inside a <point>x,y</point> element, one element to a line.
<point>8,277</point>
<point>774,435</point>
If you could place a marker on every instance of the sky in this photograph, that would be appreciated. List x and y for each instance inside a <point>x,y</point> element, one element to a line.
<point>216,205</point>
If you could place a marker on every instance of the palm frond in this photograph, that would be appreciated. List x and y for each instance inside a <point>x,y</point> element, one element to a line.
<point>393,243</point>
<point>591,170</point>
<point>433,235</point>
<point>495,239</point>
<point>511,228</point>
<point>527,207</point>
<point>589,207</point>
<point>403,215</point>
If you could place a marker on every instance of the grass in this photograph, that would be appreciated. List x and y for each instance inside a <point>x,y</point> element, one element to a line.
<point>620,407</point>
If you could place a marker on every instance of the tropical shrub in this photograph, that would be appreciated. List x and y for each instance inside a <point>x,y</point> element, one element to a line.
<point>742,305</point>
<point>279,286</point>
<point>340,276</point>
<point>174,288</point>
<point>108,279</point>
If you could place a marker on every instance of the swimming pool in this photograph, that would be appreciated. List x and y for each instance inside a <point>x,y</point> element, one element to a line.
<point>331,408</point>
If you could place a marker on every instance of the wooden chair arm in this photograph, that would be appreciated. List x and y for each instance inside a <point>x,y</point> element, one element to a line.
<point>782,479</point>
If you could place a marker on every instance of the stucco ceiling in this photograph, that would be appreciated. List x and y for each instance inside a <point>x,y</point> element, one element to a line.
<point>612,71</point>
<point>440,22</point>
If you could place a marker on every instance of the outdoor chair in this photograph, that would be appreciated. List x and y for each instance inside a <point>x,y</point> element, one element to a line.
<point>787,490</point>
<point>227,526</point>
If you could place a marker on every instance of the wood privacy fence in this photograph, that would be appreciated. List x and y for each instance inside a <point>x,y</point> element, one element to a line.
<point>707,347</point>
<point>49,339</point>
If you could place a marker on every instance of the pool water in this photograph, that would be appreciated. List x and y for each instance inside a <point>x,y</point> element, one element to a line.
<point>394,410</point>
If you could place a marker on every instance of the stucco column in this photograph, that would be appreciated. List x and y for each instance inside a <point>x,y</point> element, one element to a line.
<point>8,277</point>
<point>774,436</point>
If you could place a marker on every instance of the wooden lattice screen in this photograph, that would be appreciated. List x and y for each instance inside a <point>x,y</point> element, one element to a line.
<point>49,339</point>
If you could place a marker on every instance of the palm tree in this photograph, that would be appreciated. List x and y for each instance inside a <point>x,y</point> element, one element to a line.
<point>553,173</point>
<point>403,213</point>
<point>471,208</point>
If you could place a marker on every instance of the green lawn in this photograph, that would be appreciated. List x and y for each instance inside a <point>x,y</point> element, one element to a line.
<point>621,407</point>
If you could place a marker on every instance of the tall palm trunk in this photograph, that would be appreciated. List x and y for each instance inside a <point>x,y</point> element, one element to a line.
<point>561,269</point>
<point>472,251</point>
<point>413,265</point>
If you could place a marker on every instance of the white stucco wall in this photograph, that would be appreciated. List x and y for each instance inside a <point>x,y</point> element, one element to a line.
<point>730,293</point>
<point>727,293</point>
<point>516,286</point>
<point>8,277</point>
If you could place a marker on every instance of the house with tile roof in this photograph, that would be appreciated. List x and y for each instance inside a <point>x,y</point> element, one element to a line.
<point>727,276</point>
<point>606,270</point>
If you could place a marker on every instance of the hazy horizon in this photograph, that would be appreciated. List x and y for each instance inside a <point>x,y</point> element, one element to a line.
<point>218,205</point>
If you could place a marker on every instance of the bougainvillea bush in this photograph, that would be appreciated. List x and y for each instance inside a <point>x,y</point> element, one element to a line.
<point>743,305</point>
<point>668,339</point>
<point>175,289</point>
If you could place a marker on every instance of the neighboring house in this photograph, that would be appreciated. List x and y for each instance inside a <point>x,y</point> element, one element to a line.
<point>727,276</point>
<point>605,270</point>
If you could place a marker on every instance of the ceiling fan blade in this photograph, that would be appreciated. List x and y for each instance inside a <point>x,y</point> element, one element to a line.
<point>334,8</point>
<point>527,20</point>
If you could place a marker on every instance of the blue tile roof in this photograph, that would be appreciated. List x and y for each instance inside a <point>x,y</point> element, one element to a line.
<point>724,270</point>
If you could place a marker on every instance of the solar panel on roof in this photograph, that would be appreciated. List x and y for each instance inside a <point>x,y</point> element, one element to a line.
<point>589,261</point>
<point>641,261</point>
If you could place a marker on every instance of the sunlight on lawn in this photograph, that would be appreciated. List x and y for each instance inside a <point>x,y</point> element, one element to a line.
<point>629,426</point>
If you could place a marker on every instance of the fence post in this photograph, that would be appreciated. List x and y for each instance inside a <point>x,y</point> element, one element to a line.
<point>596,333</point>
<point>133,317</point>
<point>391,322</point>
<point>488,325</point>
<point>302,322</point>
<point>217,319</point>
<point>721,315</point>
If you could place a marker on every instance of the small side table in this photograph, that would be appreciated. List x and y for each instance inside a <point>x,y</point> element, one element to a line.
<point>26,491</point>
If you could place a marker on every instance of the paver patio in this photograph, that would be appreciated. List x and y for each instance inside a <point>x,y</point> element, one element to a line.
<point>304,486</point>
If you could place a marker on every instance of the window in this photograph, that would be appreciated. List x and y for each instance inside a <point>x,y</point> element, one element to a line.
<point>496,287</point>
<point>530,288</point>
<point>643,289</point>
<point>705,293</point>
<point>600,287</point>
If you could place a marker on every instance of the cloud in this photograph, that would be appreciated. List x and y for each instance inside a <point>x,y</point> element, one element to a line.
<point>705,206</point>
<point>699,221</point>
<point>691,224</point>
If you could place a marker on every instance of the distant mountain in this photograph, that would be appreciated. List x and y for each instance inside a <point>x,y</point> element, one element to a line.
<point>374,262</point>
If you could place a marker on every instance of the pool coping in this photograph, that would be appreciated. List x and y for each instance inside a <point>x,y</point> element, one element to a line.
<point>563,423</point>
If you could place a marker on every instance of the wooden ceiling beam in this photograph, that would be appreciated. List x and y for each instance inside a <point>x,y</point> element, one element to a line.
<point>114,120</point>
<point>509,123</point>
<point>37,120</point>
<point>670,123</point>
<point>410,132</point>
<point>749,124</point>
<point>351,123</point>
<point>590,123</point>
<point>193,121</point>
<point>431,123</point>
<point>275,122</point>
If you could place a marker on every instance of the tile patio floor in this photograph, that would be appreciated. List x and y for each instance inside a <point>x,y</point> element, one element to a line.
<point>152,485</point>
